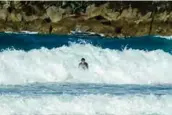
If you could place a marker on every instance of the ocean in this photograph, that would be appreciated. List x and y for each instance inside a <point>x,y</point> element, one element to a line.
<point>39,75</point>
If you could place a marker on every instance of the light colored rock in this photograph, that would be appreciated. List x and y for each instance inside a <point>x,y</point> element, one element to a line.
<point>126,13</point>
<point>17,4</point>
<point>108,14</point>
<point>93,11</point>
<point>164,16</point>
<point>147,17</point>
<point>90,8</point>
<point>3,14</point>
<point>111,16</point>
<point>54,13</point>
<point>61,10</point>
<point>170,16</point>
<point>14,17</point>
<point>6,5</point>
<point>135,12</point>
<point>129,13</point>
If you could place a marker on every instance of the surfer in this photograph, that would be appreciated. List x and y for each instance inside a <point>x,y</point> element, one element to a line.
<point>83,64</point>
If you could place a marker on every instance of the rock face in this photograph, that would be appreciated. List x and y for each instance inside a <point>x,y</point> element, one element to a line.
<point>118,18</point>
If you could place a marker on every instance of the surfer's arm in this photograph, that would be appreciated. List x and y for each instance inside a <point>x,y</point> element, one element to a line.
<point>79,65</point>
<point>87,65</point>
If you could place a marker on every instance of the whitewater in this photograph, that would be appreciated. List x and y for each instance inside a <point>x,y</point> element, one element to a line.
<point>39,75</point>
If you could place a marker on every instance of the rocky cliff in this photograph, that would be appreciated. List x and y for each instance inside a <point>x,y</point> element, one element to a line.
<point>115,18</point>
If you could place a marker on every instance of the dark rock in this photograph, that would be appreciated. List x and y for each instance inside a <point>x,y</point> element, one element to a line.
<point>118,30</point>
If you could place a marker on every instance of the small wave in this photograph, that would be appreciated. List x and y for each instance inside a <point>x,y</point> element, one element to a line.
<point>106,66</point>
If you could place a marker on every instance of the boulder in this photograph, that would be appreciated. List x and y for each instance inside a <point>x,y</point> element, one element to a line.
<point>54,13</point>
<point>92,11</point>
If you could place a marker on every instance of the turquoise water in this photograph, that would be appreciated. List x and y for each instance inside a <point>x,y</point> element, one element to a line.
<point>36,41</point>
<point>39,75</point>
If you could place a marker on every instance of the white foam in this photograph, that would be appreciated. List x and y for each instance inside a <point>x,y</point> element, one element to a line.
<point>26,32</point>
<point>86,105</point>
<point>10,32</point>
<point>29,32</point>
<point>105,66</point>
<point>89,33</point>
<point>166,37</point>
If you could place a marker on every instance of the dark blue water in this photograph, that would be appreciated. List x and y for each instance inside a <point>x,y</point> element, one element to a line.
<point>35,41</point>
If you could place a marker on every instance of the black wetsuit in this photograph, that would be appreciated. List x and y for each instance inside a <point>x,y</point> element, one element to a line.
<point>83,65</point>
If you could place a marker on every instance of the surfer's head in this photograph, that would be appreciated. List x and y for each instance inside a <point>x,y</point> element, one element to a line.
<point>82,59</point>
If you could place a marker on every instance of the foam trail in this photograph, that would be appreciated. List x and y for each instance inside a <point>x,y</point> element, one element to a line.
<point>106,66</point>
<point>86,105</point>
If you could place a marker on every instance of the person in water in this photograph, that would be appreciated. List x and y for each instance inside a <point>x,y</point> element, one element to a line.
<point>83,64</point>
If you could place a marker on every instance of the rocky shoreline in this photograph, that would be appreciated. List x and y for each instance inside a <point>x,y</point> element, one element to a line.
<point>114,19</point>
